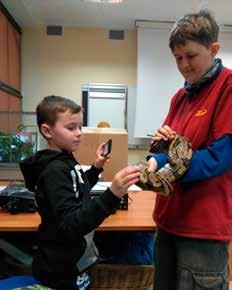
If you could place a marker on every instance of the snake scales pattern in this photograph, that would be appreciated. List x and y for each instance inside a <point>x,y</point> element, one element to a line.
<point>179,152</point>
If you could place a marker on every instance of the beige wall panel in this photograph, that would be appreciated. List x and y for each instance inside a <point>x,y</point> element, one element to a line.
<point>60,65</point>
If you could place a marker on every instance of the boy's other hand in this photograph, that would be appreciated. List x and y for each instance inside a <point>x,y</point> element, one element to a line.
<point>101,160</point>
<point>152,164</point>
<point>124,179</point>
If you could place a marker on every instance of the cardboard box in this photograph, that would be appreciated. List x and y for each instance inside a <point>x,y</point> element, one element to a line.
<point>93,137</point>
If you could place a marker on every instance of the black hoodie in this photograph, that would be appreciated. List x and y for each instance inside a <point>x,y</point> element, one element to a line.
<point>67,213</point>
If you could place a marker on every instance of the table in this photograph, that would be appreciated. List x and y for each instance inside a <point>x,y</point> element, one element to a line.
<point>138,217</point>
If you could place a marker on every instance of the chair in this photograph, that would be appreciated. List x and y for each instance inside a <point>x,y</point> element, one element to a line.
<point>121,277</point>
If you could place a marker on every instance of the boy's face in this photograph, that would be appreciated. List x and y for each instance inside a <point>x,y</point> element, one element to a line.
<point>66,133</point>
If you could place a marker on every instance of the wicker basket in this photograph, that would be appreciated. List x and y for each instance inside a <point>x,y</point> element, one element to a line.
<point>118,277</point>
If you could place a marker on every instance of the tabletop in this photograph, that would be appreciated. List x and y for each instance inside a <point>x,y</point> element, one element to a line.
<point>138,217</point>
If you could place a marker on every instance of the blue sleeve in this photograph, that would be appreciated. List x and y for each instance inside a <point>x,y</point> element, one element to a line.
<point>161,159</point>
<point>212,161</point>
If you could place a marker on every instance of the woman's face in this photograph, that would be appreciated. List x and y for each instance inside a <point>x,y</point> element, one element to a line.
<point>194,59</point>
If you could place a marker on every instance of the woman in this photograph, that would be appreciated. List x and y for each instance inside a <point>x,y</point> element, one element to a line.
<point>194,224</point>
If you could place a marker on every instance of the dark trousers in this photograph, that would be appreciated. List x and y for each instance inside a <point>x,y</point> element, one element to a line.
<point>190,264</point>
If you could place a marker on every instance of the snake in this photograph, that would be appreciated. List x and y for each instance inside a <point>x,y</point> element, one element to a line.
<point>179,151</point>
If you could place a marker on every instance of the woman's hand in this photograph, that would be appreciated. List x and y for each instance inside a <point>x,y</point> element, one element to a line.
<point>164,133</point>
<point>101,160</point>
<point>124,179</point>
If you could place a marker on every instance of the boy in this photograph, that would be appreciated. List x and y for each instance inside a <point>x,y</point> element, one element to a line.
<point>68,214</point>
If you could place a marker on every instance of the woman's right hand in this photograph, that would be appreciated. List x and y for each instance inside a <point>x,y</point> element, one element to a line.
<point>124,179</point>
<point>165,133</point>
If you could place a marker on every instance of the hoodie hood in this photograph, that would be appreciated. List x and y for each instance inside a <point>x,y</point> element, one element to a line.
<point>35,165</point>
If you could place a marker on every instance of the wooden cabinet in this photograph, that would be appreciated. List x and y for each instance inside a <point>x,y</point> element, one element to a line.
<point>10,96</point>
<point>3,49</point>
<point>13,38</point>
<point>9,112</point>
<point>230,262</point>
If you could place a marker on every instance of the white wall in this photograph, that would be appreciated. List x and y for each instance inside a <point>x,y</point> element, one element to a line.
<point>158,78</point>
<point>54,65</point>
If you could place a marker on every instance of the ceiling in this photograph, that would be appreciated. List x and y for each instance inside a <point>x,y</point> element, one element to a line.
<point>118,16</point>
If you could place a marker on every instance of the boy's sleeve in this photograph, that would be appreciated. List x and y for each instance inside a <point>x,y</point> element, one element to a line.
<point>92,175</point>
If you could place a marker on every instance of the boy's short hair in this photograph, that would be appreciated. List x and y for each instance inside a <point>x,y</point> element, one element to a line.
<point>199,27</point>
<point>48,109</point>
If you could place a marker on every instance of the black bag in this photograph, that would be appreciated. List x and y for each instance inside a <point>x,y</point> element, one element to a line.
<point>15,198</point>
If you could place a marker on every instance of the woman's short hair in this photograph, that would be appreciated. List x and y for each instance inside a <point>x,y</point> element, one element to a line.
<point>199,27</point>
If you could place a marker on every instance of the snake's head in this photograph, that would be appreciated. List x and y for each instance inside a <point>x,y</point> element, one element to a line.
<point>159,146</point>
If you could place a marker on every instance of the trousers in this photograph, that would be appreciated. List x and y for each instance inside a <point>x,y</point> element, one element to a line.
<point>183,263</point>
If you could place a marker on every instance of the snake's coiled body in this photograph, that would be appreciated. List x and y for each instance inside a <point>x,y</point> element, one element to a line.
<point>179,152</point>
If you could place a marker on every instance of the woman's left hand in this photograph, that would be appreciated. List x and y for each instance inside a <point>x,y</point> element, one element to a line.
<point>101,160</point>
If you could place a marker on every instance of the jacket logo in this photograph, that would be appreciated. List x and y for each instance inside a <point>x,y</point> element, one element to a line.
<point>201,112</point>
<point>77,168</point>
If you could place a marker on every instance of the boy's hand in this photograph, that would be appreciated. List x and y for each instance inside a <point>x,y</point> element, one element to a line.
<point>152,164</point>
<point>101,160</point>
<point>124,179</point>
